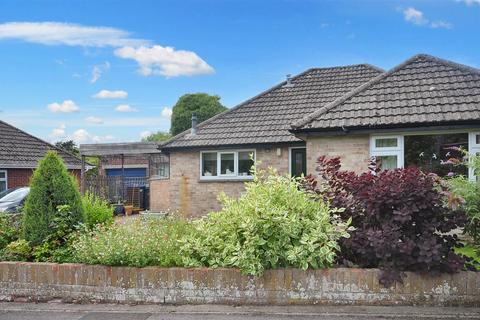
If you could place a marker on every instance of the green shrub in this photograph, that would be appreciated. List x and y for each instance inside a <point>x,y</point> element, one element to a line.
<point>51,186</point>
<point>18,250</point>
<point>55,246</point>
<point>136,244</point>
<point>8,232</point>
<point>469,193</point>
<point>472,256</point>
<point>272,225</point>
<point>97,210</point>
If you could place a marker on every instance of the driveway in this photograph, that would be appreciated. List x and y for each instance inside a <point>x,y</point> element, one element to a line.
<point>59,311</point>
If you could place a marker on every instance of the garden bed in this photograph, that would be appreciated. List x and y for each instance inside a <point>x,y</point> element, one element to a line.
<point>21,281</point>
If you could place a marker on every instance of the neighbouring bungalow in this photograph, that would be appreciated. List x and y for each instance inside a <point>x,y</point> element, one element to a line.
<point>20,153</point>
<point>415,114</point>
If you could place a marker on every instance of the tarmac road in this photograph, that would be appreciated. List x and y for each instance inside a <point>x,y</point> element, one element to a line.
<point>60,311</point>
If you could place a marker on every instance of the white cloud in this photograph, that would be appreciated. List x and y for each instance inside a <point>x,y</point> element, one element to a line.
<point>98,70</point>
<point>417,17</point>
<point>94,120</point>
<point>470,2</point>
<point>107,94</point>
<point>165,61</point>
<point>167,113</point>
<point>145,134</point>
<point>414,16</point>
<point>152,59</point>
<point>58,133</point>
<point>125,108</point>
<point>103,139</point>
<point>81,136</point>
<point>441,24</point>
<point>66,106</point>
<point>70,34</point>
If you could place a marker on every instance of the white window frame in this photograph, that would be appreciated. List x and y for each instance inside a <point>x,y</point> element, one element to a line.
<point>388,151</point>
<point>5,179</point>
<point>290,149</point>
<point>473,148</point>
<point>220,176</point>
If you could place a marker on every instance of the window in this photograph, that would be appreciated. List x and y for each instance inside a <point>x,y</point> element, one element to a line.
<point>226,164</point>
<point>436,153</point>
<point>388,151</point>
<point>431,152</point>
<point>159,166</point>
<point>474,148</point>
<point>3,180</point>
<point>209,164</point>
<point>245,162</point>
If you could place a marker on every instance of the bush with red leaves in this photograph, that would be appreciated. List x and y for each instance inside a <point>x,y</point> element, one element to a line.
<point>400,219</point>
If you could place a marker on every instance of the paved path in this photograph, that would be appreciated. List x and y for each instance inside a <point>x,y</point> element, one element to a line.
<point>59,311</point>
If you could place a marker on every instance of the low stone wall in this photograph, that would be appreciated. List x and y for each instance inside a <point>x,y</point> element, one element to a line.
<point>85,283</point>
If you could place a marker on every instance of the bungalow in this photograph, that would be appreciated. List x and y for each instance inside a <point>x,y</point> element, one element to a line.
<point>411,115</point>
<point>19,155</point>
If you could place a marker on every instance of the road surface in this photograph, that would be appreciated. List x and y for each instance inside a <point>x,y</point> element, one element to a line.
<point>59,311</point>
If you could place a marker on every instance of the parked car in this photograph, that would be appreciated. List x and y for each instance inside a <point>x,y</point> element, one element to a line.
<point>12,200</point>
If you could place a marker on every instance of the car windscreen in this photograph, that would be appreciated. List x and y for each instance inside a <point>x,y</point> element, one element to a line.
<point>16,195</point>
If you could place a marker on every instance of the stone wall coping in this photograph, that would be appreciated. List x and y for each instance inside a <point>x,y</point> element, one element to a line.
<point>71,282</point>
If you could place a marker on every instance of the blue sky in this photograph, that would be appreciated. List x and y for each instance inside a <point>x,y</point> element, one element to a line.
<point>110,71</point>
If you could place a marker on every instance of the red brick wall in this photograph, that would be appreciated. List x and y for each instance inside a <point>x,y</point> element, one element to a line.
<point>18,177</point>
<point>21,177</point>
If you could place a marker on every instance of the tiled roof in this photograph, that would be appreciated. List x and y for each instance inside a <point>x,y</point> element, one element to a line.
<point>19,149</point>
<point>267,118</point>
<point>422,90</point>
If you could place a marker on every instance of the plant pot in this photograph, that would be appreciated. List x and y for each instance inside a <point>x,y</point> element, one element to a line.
<point>128,210</point>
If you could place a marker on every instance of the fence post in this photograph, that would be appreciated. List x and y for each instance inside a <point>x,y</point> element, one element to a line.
<point>82,176</point>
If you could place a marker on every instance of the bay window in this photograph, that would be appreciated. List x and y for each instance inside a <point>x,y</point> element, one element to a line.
<point>217,165</point>
<point>432,152</point>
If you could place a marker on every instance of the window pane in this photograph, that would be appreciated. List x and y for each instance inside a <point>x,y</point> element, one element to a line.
<point>3,185</point>
<point>436,153</point>
<point>387,162</point>
<point>245,163</point>
<point>227,163</point>
<point>209,164</point>
<point>2,174</point>
<point>386,142</point>
<point>477,139</point>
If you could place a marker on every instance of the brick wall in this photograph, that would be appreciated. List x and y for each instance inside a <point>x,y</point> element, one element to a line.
<point>193,197</point>
<point>88,283</point>
<point>21,177</point>
<point>353,149</point>
<point>139,161</point>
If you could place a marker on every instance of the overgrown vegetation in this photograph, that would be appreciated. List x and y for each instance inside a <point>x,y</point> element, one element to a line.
<point>51,186</point>
<point>466,194</point>
<point>97,210</point>
<point>8,232</point>
<point>138,244</point>
<point>399,216</point>
<point>273,224</point>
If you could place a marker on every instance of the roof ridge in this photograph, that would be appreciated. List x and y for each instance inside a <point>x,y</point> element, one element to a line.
<point>281,84</point>
<point>450,63</point>
<point>298,124</point>
<point>348,66</point>
<point>41,140</point>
